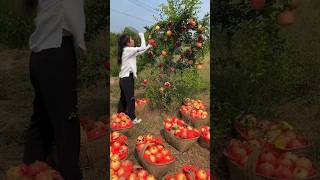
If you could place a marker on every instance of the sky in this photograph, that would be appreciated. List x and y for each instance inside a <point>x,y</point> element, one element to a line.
<point>140,13</point>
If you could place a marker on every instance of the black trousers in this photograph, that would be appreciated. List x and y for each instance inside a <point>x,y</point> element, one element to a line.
<point>127,100</point>
<point>54,75</point>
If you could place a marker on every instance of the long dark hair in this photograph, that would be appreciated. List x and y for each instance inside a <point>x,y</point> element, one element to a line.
<point>122,42</point>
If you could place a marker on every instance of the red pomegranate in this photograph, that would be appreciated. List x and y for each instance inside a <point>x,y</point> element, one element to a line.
<point>286,18</point>
<point>294,4</point>
<point>258,4</point>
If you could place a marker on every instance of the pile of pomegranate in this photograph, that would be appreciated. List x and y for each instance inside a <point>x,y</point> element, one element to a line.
<point>180,129</point>
<point>193,109</point>
<point>118,145</point>
<point>141,102</point>
<point>284,166</point>
<point>186,173</point>
<point>271,162</point>
<point>126,170</point>
<point>93,129</point>
<point>238,152</point>
<point>120,121</point>
<point>158,154</point>
<point>205,133</point>
<point>36,171</point>
<point>281,134</point>
<point>146,139</point>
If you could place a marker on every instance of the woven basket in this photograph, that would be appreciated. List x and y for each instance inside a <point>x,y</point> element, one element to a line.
<point>238,129</point>
<point>184,117</point>
<point>97,148</point>
<point>299,150</point>
<point>248,171</point>
<point>125,131</point>
<point>85,161</point>
<point>139,109</point>
<point>190,174</point>
<point>97,153</point>
<point>236,172</point>
<point>105,119</point>
<point>91,151</point>
<point>251,166</point>
<point>180,144</point>
<point>97,172</point>
<point>204,143</point>
<point>197,122</point>
<point>302,149</point>
<point>154,169</point>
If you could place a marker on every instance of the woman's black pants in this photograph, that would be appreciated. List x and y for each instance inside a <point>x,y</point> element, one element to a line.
<point>127,100</point>
<point>53,76</point>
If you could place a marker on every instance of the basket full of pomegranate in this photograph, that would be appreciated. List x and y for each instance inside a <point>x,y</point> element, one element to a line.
<point>237,154</point>
<point>121,122</point>
<point>118,145</point>
<point>127,170</point>
<point>285,137</point>
<point>250,127</point>
<point>153,155</point>
<point>35,171</point>
<point>274,165</point>
<point>263,162</point>
<point>281,134</point>
<point>140,105</point>
<point>193,112</point>
<point>179,134</point>
<point>147,139</point>
<point>204,139</point>
<point>93,129</point>
<point>190,172</point>
<point>93,141</point>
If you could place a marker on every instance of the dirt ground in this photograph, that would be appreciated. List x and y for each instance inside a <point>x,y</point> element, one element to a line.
<point>16,97</point>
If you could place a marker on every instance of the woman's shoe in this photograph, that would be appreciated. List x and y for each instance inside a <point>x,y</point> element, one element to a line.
<point>136,121</point>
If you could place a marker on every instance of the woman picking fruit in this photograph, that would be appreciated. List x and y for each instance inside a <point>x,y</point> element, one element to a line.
<point>127,58</point>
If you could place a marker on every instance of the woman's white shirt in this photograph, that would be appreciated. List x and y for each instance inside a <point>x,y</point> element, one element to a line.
<point>53,18</point>
<point>129,58</point>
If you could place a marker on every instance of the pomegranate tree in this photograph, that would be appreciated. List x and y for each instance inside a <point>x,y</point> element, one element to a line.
<point>180,42</point>
<point>179,38</point>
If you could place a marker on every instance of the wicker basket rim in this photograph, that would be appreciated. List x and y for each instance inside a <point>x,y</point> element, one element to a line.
<point>118,129</point>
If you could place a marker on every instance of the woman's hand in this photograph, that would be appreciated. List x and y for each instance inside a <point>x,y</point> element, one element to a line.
<point>141,34</point>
